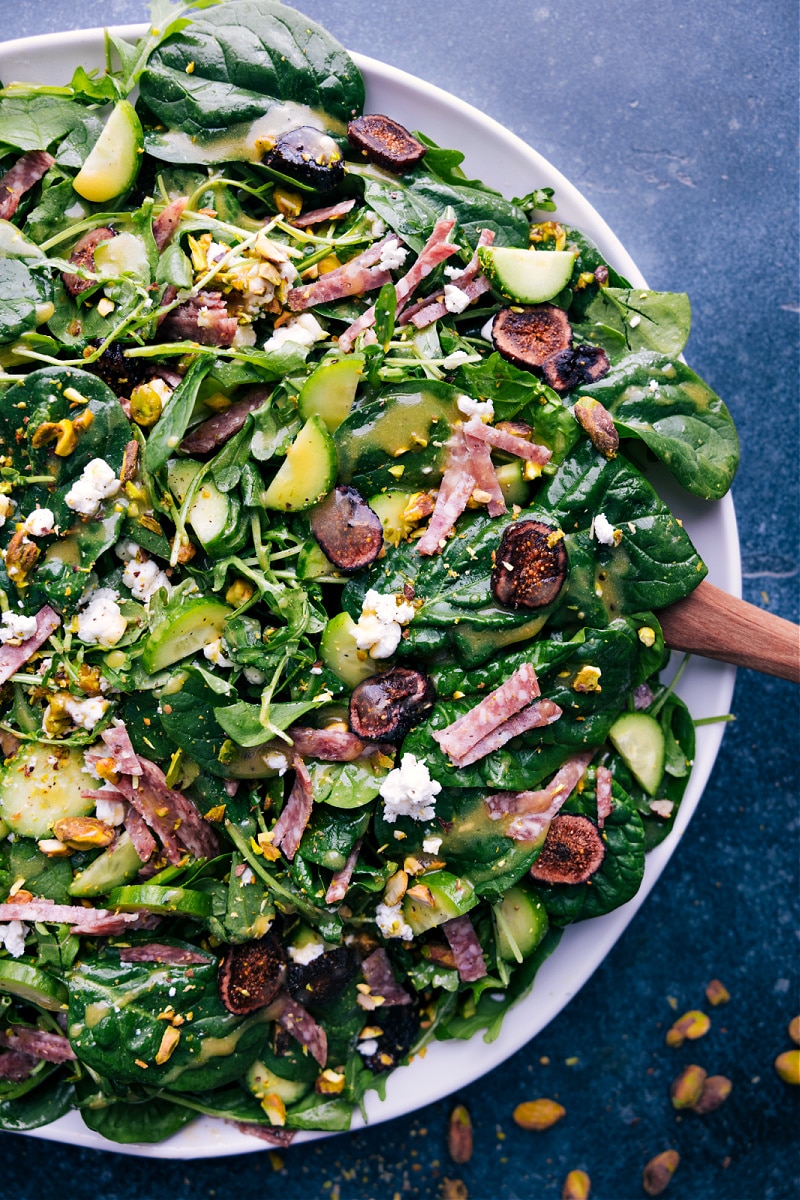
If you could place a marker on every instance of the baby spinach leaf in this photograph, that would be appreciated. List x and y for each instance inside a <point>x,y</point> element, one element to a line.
<point>191,724</point>
<point>35,122</point>
<point>52,1098</point>
<point>475,209</point>
<point>647,320</point>
<point>677,416</point>
<point>21,293</point>
<point>521,395</point>
<point>331,834</point>
<point>246,56</point>
<point>170,429</point>
<point>316,1112</point>
<point>346,785</point>
<point>145,1119</point>
<point>46,877</point>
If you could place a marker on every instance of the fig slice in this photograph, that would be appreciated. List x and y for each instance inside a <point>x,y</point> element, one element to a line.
<point>122,374</point>
<point>308,156</point>
<point>575,367</point>
<point>572,852</point>
<point>349,532</point>
<point>399,1028</point>
<point>323,980</point>
<point>527,335</point>
<point>385,142</point>
<point>383,708</point>
<point>251,975</point>
<point>530,565</point>
<point>83,256</point>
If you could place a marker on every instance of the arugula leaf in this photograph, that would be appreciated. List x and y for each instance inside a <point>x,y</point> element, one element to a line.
<point>168,433</point>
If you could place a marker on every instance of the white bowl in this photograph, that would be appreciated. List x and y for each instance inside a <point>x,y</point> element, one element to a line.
<point>505,162</point>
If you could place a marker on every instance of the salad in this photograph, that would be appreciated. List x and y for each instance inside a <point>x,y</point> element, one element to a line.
<point>330,582</point>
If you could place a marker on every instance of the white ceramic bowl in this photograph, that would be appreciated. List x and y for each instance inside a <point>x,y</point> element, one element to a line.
<point>507,163</point>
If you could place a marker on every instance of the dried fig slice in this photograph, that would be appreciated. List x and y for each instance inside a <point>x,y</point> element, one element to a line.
<point>399,1030</point>
<point>120,373</point>
<point>308,156</point>
<point>572,852</point>
<point>385,142</point>
<point>384,707</point>
<point>598,422</point>
<point>528,335</point>
<point>83,256</point>
<point>251,975</point>
<point>349,532</point>
<point>530,565</point>
<point>575,367</point>
<point>324,978</point>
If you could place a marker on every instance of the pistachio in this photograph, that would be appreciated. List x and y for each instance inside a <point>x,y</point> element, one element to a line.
<point>687,1088</point>
<point>717,993</point>
<point>21,557</point>
<point>61,432</point>
<point>689,1027</point>
<point>330,1083</point>
<point>289,204</point>
<point>147,402</point>
<point>599,424</point>
<point>538,1114</point>
<point>716,1090</point>
<point>421,895</point>
<point>83,833</point>
<point>454,1189</point>
<point>168,1043</point>
<point>395,888</point>
<point>659,1171</point>
<point>788,1066</point>
<point>459,1135</point>
<point>240,591</point>
<point>275,1109</point>
<point>577,1186</point>
<point>794,1030</point>
<point>53,848</point>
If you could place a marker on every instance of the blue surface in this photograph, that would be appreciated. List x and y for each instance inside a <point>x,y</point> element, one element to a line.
<point>679,123</point>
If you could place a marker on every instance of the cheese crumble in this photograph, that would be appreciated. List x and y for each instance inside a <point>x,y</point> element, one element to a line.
<point>409,791</point>
<point>392,923</point>
<point>96,484</point>
<point>380,625</point>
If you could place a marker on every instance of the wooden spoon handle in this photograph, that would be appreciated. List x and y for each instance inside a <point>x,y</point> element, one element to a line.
<point>713,624</point>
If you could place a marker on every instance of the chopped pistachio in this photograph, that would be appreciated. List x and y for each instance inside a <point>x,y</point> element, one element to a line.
<point>538,1114</point>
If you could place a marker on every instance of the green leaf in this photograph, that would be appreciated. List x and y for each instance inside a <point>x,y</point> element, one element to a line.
<point>146,1119</point>
<point>169,431</point>
<point>52,1098</point>
<point>36,122</point>
<point>21,292</point>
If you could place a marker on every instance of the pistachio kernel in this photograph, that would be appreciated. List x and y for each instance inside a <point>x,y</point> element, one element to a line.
<point>788,1066</point>
<point>659,1171</point>
<point>717,993</point>
<point>459,1135</point>
<point>83,833</point>
<point>454,1189</point>
<point>689,1027</point>
<point>687,1088</point>
<point>538,1115</point>
<point>716,1090</point>
<point>577,1186</point>
<point>794,1030</point>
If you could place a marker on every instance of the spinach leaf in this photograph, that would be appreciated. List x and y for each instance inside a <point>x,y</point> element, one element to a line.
<point>243,910</point>
<point>45,877</point>
<point>246,56</point>
<point>191,724</point>
<point>347,785</point>
<point>168,433</point>
<point>242,721</point>
<point>680,419</point>
<point>144,1119</point>
<point>21,293</point>
<point>317,1112</point>
<point>35,122</point>
<point>646,320</point>
<point>331,834</point>
<point>48,1101</point>
<point>520,394</point>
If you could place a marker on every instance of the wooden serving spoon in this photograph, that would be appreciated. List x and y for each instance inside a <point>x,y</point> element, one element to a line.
<point>713,624</point>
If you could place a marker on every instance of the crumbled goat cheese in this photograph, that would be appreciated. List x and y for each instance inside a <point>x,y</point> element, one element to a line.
<point>653,385</point>
<point>16,629</point>
<point>39,523</point>
<point>368,1048</point>
<point>431,845</point>
<point>254,676</point>
<point>409,791</point>
<point>307,953</point>
<point>7,506</point>
<point>662,808</point>
<point>486,330</point>
<point>391,923</point>
<point>393,255</point>
<point>380,625</point>
<point>12,936</point>
<point>101,622</point>
<point>288,271</point>
<point>484,409</point>
<point>603,530</point>
<point>303,330</point>
<point>97,483</point>
<point>247,876</point>
<point>456,359</point>
<point>452,272</point>
<point>84,713</point>
<point>110,812</point>
<point>455,301</point>
<point>215,654</point>
<point>144,578</point>
<point>127,551</point>
<point>277,762</point>
<point>376,224</point>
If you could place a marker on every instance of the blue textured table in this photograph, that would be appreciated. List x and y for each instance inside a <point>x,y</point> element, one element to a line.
<point>678,122</point>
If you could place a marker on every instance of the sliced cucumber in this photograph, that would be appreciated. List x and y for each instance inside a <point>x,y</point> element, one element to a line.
<point>308,472</point>
<point>125,254</point>
<point>264,1082</point>
<point>312,563</point>
<point>447,896</point>
<point>512,483</point>
<point>154,899</point>
<point>340,654</point>
<point>32,986</point>
<point>527,276</point>
<point>39,785</point>
<point>329,391</point>
<point>640,741</point>
<point>114,160</point>
<point>390,508</point>
<point>116,866</point>
<point>215,516</point>
<point>200,622</point>
<point>521,924</point>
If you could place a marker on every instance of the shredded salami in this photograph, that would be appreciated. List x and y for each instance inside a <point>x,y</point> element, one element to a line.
<point>379,975</point>
<point>533,811</point>
<point>318,215</point>
<point>337,889</point>
<point>118,741</point>
<point>143,841</point>
<point>16,1067</point>
<point>203,319</point>
<point>26,172</point>
<point>332,745</point>
<point>161,953</point>
<point>483,473</point>
<point>171,815</point>
<point>463,941</point>
<point>13,657</point>
<point>83,920</point>
<point>504,702</point>
<point>274,1134</point>
<point>433,308</point>
<point>220,428</point>
<point>503,440</point>
<point>535,716</point>
<point>167,221</point>
<point>46,1047</point>
<point>361,274</point>
<point>301,1025</point>
<point>605,803</point>
<point>288,830</point>
<point>454,492</point>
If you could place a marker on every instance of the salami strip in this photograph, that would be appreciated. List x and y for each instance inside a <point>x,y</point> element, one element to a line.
<point>504,702</point>
<point>118,741</point>
<point>318,215</point>
<point>16,1067</point>
<point>94,921</point>
<point>379,975</point>
<point>535,810</point>
<point>46,1047</point>
<point>605,804</point>
<point>535,716</point>
<point>332,745</point>
<point>484,474</point>
<point>463,941</point>
<point>167,222</point>
<point>301,1026</point>
<point>219,429</point>
<point>291,824</point>
<point>436,309</point>
<point>274,1134</point>
<point>158,952</point>
<point>26,172</point>
<point>13,657</point>
<point>503,440</point>
<point>451,500</point>
<point>203,319</point>
<point>337,889</point>
<point>361,274</point>
<point>143,841</point>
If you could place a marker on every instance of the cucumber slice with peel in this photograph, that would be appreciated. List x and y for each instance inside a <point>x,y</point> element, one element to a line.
<point>640,741</point>
<point>200,622</point>
<point>440,897</point>
<point>114,160</point>
<point>339,652</point>
<point>263,1082</point>
<point>308,472</point>
<point>117,865</point>
<point>151,898</point>
<point>522,922</point>
<point>527,276</point>
<point>32,986</point>
<point>329,391</point>
<point>40,784</point>
<point>215,516</point>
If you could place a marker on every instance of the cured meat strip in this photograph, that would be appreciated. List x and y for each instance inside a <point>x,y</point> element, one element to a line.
<point>16,1067</point>
<point>337,889</point>
<point>461,280</point>
<point>535,810</point>
<point>332,745</point>
<point>318,215</point>
<point>535,716</point>
<point>379,975</point>
<point>83,920</point>
<point>170,814</point>
<point>13,657</point>
<point>463,941</point>
<point>301,1025</point>
<point>167,222</point>
<point>360,274</point>
<point>143,841</point>
<point>274,1134</point>
<point>118,741</point>
<point>203,319</point>
<point>484,474</point>
<point>435,250</point>
<point>160,953</point>
<point>26,172</point>
<point>46,1047</point>
<point>503,440</point>
<point>455,490</point>
<point>605,803</point>
<point>288,830</point>
<point>220,428</point>
<point>438,309</point>
<point>504,702</point>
